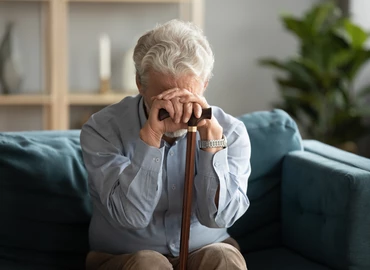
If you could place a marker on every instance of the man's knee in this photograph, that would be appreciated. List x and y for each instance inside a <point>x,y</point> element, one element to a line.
<point>149,259</point>
<point>222,254</point>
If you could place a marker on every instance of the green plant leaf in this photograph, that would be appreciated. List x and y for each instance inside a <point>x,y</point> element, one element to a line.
<point>300,73</point>
<point>295,26</point>
<point>310,65</point>
<point>292,83</point>
<point>294,70</point>
<point>316,85</point>
<point>271,62</point>
<point>340,59</point>
<point>356,34</point>
<point>360,58</point>
<point>322,18</point>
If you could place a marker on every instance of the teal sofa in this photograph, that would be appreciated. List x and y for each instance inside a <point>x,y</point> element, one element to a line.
<point>310,203</point>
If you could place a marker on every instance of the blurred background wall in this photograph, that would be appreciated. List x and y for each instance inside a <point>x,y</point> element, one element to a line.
<point>360,11</point>
<point>241,34</point>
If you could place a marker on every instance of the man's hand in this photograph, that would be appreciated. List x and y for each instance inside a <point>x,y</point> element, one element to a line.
<point>153,130</point>
<point>184,104</point>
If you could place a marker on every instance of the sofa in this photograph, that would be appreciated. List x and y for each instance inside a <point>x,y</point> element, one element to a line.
<point>310,202</point>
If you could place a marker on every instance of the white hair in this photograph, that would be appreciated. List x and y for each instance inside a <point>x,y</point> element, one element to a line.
<point>175,48</point>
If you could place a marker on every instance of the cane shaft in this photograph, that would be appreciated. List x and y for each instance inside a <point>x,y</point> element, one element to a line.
<point>187,198</point>
<point>189,180</point>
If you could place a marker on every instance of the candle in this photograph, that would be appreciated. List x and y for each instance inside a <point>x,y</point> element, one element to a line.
<point>104,57</point>
<point>128,76</point>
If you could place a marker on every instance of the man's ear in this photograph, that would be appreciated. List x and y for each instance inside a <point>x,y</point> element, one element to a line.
<point>139,85</point>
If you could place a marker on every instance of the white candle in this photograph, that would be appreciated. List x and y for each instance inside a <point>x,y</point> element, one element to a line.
<point>128,77</point>
<point>104,57</point>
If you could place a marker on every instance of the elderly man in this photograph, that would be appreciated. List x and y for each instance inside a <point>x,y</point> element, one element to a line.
<point>136,163</point>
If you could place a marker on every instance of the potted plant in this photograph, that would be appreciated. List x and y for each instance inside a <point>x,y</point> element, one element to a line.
<point>317,84</point>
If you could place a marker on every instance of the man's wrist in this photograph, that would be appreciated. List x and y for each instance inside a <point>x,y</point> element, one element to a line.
<point>211,132</point>
<point>150,137</point>
<point>214,132</point>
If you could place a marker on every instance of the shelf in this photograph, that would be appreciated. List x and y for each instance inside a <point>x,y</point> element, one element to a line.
<point>24,99</point>
<point>126,1</point>
<point>59,105</point>
<point>24,1</point>
<point>96,99</point>
<point>102,1</point>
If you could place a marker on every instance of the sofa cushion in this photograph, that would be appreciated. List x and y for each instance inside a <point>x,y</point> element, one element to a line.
<point>280,259</point>
<point>44,204</point>
<point>272,134</point>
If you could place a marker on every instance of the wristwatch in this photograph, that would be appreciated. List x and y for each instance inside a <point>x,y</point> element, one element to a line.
<point>213,143</point>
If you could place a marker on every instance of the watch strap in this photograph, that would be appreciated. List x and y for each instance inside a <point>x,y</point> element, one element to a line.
<point>213,143</point>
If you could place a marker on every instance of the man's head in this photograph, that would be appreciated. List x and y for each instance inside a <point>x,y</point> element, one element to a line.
<point>173,49</point>
<point>173,55</point>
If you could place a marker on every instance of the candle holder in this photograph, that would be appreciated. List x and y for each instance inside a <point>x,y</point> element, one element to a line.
<point>105,85</point>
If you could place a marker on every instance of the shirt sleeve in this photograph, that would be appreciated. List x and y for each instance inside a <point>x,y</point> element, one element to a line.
<point>228,169</point>
<point>128,188</point>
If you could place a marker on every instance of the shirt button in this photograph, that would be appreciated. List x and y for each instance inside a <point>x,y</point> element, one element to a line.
<point>156,159</point>
<point>171,153</point>
<point>173,187</point>
<point>172,245</point>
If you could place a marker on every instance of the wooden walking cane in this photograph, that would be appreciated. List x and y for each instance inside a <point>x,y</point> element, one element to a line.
<point>189,180</point>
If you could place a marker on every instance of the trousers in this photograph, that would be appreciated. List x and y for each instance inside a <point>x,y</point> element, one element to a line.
<point>216,256</point>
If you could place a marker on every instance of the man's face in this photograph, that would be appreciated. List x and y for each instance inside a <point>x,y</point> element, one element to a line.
<point>158,83</point>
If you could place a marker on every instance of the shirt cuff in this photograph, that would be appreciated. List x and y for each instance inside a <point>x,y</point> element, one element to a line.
<point>212,169</point>
<point>209,164</point>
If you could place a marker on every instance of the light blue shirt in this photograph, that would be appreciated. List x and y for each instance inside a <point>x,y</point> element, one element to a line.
<point>137,189</point>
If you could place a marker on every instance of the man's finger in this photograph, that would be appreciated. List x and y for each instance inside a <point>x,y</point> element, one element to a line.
<point>163,104</point>
<point>177,93</point>
<point>178,107</point>
<point>195,99</point>
<point>166,94</point>
<point>197,110</point>
<point>188,110</point>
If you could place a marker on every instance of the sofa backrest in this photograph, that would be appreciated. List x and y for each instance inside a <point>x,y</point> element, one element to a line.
<point>44,202</point>
<point>272,134</point>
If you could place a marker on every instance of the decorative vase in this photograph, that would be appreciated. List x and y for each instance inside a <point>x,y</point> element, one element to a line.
<point>10,64</point>
<point>129,72</point>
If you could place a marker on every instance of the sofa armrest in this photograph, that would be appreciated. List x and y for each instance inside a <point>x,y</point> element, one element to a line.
<point>337,154</point>
<point>325,208</point>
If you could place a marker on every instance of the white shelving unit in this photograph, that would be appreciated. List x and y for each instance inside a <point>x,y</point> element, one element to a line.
<point>56,101</point>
